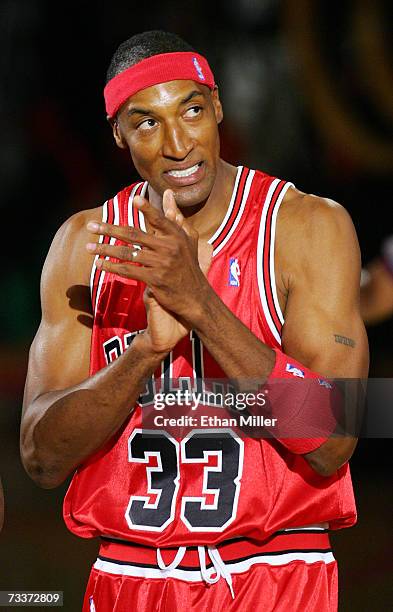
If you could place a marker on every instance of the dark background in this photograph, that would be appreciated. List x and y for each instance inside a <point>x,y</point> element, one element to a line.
<point>307,88</point>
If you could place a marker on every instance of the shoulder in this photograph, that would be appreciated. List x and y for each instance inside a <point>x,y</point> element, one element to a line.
<point>310,211</point>
<point>67,260</point>
<point>313,233</point>
<point>317,221</point>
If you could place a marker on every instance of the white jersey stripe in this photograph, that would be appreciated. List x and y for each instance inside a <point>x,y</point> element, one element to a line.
<point>130,199</point>
<point>116,221</point>
<point>141,216</point>
<point>196,575</point>
<point>271,254</point>
<point>100,239</point>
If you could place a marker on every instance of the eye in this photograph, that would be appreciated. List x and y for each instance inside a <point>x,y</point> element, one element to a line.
<point>147,124</point>
<point>194,111</point>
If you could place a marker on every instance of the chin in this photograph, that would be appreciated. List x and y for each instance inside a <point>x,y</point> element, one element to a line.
<point>193,195</point>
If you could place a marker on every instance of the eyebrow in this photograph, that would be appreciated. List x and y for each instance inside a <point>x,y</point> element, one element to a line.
<point>146,111</point>
<point>190,96</point>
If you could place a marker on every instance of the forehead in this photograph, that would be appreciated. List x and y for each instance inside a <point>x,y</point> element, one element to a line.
<point>164,95</point>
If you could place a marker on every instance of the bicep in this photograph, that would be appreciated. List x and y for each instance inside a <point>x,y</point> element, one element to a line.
<point>323,328</point>
<point>60,352</point>
<point>59,357</point>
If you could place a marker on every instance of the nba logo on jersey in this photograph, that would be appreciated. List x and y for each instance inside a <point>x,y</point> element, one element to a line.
<point>324,383</point>
<point>92,606</point>
<point>294,371</point>
<point>198,68</point>
<point>234,272</point>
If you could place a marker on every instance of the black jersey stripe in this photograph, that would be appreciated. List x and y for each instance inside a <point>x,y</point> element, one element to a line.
<point>219,544</point>
<point>236,211</point>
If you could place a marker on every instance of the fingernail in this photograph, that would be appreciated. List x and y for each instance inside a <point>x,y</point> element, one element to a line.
<point>99,263</point>
<point>91,246</point>
<point>93,226</point>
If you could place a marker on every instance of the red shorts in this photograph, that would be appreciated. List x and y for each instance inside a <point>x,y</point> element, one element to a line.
<point>295,570</point>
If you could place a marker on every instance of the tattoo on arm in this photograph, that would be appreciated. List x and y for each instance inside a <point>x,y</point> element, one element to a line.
<point>345,340</point>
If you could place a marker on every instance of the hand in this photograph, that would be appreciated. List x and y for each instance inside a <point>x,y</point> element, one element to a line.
<point>163,328</point>
<point>168,265</point>
<point>171,211</point>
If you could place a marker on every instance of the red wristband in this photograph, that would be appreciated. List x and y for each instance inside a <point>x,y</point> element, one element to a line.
<point>305,404</point>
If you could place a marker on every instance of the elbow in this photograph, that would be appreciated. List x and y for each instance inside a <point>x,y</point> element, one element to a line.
<point>41,470</point>
<point>332,455</point>
<point>43,478</point>
<point>323,468</point>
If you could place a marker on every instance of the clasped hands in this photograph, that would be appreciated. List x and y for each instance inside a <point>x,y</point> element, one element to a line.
<point>172,263</point>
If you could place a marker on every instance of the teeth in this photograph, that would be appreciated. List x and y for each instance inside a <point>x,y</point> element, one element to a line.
<point>183,173</point>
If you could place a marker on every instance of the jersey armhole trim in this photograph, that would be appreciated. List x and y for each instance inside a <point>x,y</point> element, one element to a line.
<point>265,257</point>
<point>272,251</point>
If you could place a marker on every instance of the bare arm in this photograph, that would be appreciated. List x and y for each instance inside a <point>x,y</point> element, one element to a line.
<point>323,329</point>
<point>66,414</point>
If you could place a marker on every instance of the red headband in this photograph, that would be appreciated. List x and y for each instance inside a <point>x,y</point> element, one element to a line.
<point>153,70</point>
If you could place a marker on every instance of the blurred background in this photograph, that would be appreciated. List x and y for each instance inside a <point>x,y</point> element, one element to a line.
<point>307,89</point>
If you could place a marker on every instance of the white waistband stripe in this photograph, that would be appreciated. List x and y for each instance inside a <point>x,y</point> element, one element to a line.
<point>196,575</point>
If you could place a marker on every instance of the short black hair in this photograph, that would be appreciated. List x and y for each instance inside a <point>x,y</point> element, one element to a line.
<point>142,46</point>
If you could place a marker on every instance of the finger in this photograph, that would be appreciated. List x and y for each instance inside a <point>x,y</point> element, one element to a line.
<point>129,235</point>
<point>155,217</point>
<point>169,206</point>
<point>150,259</point>
<point>126,270</point>
<point>149,299</point>
<point>145,257</point>
<point>173,213</point>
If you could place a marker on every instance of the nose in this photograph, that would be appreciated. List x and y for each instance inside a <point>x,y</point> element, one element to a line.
<point>177,142</point>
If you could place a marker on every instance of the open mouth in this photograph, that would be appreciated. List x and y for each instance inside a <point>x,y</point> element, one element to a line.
<point>184,173</point>
<point>185,177</point>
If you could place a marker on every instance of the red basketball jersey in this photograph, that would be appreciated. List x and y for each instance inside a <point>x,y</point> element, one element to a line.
<point>162,491</point>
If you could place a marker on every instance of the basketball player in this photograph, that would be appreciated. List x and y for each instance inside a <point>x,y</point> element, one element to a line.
<point>239,275</point>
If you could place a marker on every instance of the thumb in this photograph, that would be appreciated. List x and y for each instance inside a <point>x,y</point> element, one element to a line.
<point>171,210</point>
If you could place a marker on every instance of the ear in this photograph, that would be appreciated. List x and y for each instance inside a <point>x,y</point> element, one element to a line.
<point>117,135</point>
<point>217,105</point>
